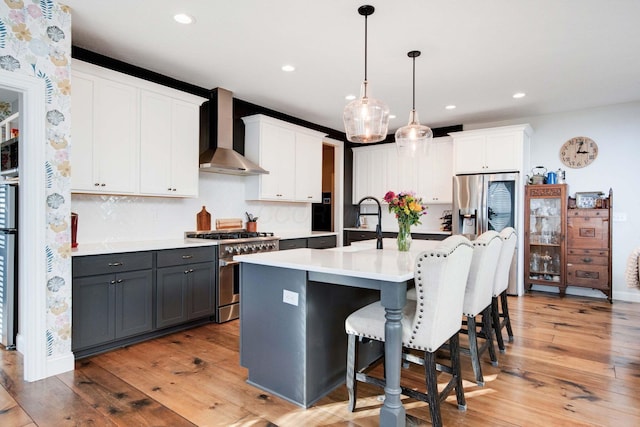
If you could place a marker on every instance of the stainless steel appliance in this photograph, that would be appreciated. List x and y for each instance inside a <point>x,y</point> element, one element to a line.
<point>8,264</point>
<point>230,243</point>
<point>488,202</point>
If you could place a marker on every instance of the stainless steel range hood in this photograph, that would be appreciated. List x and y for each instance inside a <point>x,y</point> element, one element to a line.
<point>223,158</point>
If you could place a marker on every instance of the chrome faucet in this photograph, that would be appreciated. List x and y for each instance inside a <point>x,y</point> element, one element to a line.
<point>379,214</point>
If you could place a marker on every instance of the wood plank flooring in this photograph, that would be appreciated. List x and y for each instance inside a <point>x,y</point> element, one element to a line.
<point>574,362</point>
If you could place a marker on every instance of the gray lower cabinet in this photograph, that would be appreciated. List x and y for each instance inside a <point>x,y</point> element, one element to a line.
<point>185,290</point>
<point>320,242</point>
<point>111,306</point>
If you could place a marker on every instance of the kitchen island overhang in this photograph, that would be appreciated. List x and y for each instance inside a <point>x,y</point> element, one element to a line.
<point>292,337</point>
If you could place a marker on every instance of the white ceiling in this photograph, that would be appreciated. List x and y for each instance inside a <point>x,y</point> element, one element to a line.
<point>564,54</point>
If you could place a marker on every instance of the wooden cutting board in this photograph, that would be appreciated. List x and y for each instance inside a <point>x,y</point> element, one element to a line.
<point>228,223</point>
<point>203,220</point>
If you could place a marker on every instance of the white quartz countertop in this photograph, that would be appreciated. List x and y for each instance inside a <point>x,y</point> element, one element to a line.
<point>358,260</point>
<point>135,246</point>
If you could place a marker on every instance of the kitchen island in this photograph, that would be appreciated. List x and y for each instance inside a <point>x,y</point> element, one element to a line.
<point>294,304</point>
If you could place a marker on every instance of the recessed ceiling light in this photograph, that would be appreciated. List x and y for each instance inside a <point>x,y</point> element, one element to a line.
<point>350,97</point>
<point>288,68</point>
<point>392,116</point>
<point>183,18</point>
<point>519,95</point>
<point>450,107</point>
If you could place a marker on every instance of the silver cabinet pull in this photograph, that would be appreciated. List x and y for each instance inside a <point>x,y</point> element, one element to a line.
<point>115,264</point>
<point>187,256</point>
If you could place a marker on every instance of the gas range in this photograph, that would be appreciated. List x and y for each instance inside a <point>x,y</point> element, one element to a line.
<point>238,241</point>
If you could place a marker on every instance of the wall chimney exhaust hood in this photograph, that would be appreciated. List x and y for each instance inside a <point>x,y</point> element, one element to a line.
<point>223,158</point>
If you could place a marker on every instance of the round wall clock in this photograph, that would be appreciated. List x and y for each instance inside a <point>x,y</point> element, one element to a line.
<point>578,152</point>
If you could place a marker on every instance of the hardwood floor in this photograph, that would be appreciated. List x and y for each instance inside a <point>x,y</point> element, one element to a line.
<point>575,361</point>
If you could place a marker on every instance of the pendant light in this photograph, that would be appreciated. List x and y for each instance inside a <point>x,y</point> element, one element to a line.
<point>366,120</point>
<point>414,136</point>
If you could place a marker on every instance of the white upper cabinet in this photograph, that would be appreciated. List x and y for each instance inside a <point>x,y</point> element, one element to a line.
<point>131,136</point>
<point>104,155</point>
<point>375,171</point>
<point>501,149</point>
<point>308,167</point>
<point>435,172</point>
<point>168,146</point>
<point>292,155</point>
<point>379,168</point>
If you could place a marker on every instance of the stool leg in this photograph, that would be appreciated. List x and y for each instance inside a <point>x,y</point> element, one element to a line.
<point>505,313</point>
<point>454,345</point>
<point>433,397</point>
<point>473,349</point>
<point>488,333</point>
<point>352,356</point>
<point>496,324</point>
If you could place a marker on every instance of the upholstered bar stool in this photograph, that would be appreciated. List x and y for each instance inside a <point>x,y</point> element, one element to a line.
<point>501,319</point>
<point>427,322</point>
<point>477,300</point>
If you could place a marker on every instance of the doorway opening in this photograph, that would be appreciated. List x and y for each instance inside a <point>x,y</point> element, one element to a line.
<point>323,213</point>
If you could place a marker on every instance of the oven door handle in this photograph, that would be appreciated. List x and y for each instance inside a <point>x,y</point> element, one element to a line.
<point>224,263</point>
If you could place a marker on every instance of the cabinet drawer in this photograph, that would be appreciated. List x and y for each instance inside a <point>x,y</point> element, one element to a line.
<point>322,242</point>
<point>292,244</point>
<point>92,265</point>
<point>588,213</point>
<point>587,256</point>
<point>186,256</point>
<point>592,276</point>
<point>589,232</point>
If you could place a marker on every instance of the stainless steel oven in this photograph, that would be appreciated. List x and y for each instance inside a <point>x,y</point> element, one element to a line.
<point>230,243</point>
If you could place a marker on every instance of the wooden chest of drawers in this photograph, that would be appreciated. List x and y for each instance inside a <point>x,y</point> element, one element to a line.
<point>589,249</point>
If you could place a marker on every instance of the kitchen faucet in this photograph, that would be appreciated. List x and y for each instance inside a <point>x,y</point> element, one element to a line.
<point>379,214</point>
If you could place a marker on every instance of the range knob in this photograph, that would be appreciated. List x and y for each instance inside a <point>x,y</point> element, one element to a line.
<point>228,249</point>
<point>238,249</point>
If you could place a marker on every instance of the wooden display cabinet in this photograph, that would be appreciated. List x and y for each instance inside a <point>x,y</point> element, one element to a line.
<point>545,235</point>
<point>589,246</point>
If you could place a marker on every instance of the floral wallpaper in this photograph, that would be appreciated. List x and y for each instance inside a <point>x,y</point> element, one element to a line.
<point>35,39</point>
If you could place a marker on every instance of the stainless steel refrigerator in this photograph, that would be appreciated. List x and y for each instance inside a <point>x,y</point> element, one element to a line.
<point>487,202</point>
<point>8,264</point>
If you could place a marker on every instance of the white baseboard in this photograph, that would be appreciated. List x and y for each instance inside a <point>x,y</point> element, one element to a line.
<point>60,364</point>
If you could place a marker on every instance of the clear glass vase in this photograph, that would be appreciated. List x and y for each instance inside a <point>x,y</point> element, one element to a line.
<point>404,236</point>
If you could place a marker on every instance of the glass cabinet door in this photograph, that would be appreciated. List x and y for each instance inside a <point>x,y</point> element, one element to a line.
<point>545,222</point>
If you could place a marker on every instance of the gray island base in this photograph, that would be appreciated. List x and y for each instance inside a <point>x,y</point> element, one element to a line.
<point>292,337</point>
<point>292,314</point>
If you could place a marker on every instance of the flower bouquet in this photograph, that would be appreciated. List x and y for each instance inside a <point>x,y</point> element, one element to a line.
<point>408,209</point>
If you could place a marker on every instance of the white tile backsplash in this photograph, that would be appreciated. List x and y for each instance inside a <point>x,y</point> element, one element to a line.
<point>103,219</point>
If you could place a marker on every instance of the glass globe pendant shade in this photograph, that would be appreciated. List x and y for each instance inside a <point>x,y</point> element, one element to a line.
<point>413,138</point>
<point>366,120</point>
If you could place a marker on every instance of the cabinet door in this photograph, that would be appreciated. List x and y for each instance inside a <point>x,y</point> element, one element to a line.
<point>308,166</point>
<point>362,166</point>
<point>134,303</point>
<point>93,311</point>
<point>171,295</point>
<point>155,144</point>
<point>435,173</point>
<point>115,137</point>
<point>168,146</point>
<point>185,134</point>
<point>277,155</point>
<point>82,125</point>
<point>502,152</point>
<point>469,154</point>
<point>201,290</point>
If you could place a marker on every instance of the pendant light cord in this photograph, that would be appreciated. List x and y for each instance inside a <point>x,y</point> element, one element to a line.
<point>414,83</point>
<point>365,48</point>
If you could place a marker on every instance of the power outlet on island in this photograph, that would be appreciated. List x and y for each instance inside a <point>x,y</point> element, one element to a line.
<point>289,297</point>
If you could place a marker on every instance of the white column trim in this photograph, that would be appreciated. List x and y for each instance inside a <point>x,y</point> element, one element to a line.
<point>32,290</point>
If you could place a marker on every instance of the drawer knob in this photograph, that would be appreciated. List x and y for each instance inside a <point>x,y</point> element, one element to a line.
<point>586,260</point>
